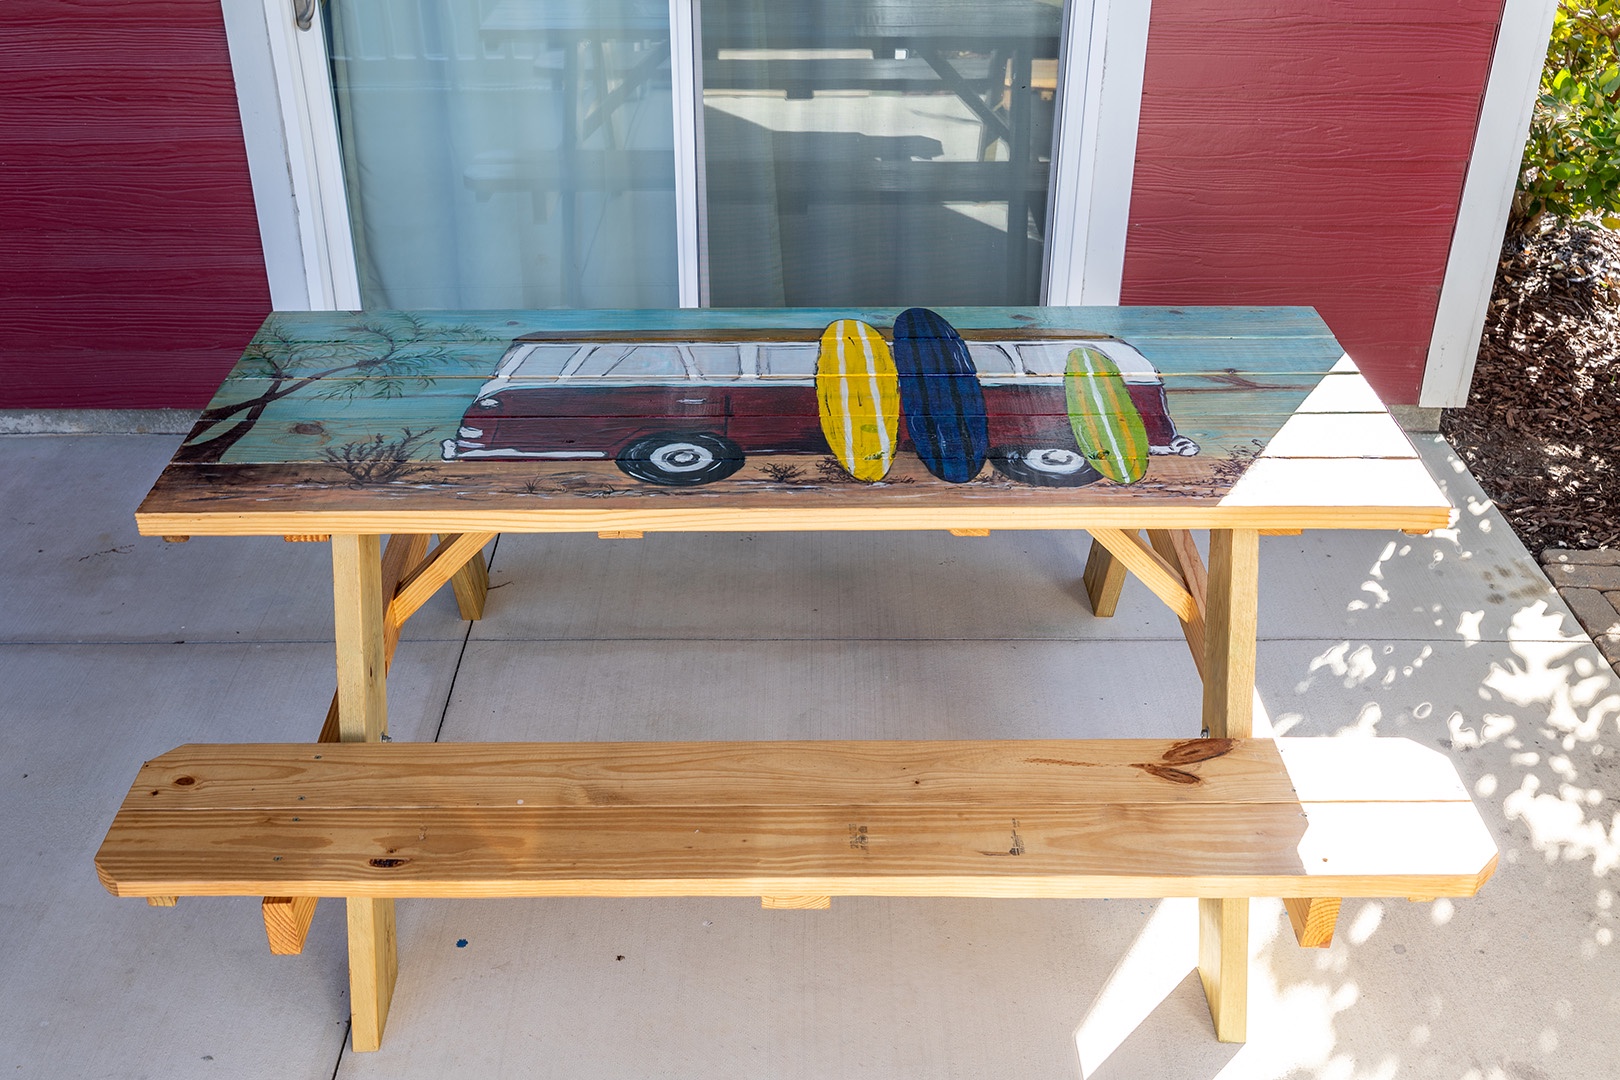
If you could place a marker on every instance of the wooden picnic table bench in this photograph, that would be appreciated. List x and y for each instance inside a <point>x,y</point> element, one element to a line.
<point>1116,421</point>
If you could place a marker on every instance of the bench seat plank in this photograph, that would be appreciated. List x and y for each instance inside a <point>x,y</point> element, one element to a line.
<point>1140,850</point>
<point>792,773</point>
<point>770,819</point>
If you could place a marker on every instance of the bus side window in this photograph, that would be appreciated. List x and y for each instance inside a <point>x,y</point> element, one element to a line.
<point>717,361</point>
<point>1045,357</point>
<point>790,360</point>
<point>650,361</point>
<point>991,359</point>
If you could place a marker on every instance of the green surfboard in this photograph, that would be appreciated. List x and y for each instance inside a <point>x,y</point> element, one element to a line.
<point>1106,423</point>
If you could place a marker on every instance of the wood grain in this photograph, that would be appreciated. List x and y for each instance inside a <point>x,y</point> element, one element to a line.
<point>1313,920</point>
<point>1192,818</point>
<point>286,922</point>
<point>1223,964</point>
<point>1229,632</point>
<point>362,654</point>
<point>1177,548</point>
<point>1104,580</point>
<point>1149,567</point>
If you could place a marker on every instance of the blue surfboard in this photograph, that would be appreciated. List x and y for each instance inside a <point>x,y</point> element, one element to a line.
<point>940,396</point>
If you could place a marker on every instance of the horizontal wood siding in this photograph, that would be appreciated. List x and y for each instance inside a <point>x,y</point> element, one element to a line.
<point>1309,153</point>
<point>132,272</point>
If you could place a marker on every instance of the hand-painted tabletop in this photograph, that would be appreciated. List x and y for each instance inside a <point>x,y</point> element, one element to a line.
<point>802,419</point>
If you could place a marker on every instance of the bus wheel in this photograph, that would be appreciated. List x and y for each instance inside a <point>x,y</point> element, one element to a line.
<point>1044,466</point>
<point>680,460</point>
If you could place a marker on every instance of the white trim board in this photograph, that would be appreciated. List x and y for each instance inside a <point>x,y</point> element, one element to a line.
<point>1095,162</point>
<point>294,161</point>
<point>1493,171</point>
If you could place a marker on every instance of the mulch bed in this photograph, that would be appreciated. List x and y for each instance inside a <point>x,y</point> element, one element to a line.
<point>1541,430</point>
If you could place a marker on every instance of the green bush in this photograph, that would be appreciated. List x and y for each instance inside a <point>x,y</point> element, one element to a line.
<point>1572,159</point>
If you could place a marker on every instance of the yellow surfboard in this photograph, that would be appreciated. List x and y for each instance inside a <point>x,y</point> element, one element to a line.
<point>858,390</point>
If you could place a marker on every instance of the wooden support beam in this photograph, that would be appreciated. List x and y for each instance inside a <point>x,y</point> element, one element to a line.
<point>431,574</point>
<point>1150,567</point>
<point>1230,614</point>
<point>1176,547</point>
<point>163,901</point>
<point>362,666</point>
<point>306,538</point>
<point>619,534</point>
<point>373,968</point>
<point>1313,919</point>
<point>970,532</point>
<point>362,663</point>
<point>796,903</point>
<point>286,922</point>
<point>1223,965</point>
<point>177,539</point>
<point>1230,617</point>
<point>1104,580</point>
<point>471,586</point>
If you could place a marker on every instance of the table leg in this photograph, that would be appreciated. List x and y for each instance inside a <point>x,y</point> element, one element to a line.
<point>1223,965</point>
<point>1229,649</point>
<point>373,966</point>
<point>471,586</point>
<point>1229,632</point>
<point>1104,580</point>
<point>362,658</point>
<point>362,667</point>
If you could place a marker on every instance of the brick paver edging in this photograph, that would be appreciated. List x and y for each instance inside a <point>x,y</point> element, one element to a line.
<point>1589,582</point>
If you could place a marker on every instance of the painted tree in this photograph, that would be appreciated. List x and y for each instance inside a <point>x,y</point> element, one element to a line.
<point>381,356</point>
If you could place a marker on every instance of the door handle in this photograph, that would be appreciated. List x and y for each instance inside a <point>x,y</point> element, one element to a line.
<point>304,13</point>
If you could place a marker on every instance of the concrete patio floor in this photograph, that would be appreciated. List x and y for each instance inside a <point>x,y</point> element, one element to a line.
<point>114,648</point>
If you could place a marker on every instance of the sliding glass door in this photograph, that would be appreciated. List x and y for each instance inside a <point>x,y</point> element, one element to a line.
<point>877,151</point>
<point>563,153</point>
<point>507,154</point>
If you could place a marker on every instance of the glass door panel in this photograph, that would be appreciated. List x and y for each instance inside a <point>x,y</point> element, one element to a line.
<point>877,152</point>
<point>507,153</point>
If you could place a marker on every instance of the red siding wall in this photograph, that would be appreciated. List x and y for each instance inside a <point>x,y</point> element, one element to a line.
<point>130,268</point>
<point>1307,152</point>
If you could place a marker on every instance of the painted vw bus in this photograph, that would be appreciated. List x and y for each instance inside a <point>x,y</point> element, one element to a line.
<point>688,407</point>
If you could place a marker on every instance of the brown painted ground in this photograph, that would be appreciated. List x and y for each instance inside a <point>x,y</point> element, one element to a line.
<point>775,480</point>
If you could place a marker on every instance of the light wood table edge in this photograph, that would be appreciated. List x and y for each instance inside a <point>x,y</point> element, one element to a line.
<point>791,519</point>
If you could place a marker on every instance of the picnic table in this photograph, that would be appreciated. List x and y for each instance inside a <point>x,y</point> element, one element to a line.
<point>348,427</point>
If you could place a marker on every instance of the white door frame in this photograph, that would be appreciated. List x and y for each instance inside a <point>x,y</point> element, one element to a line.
<point>290,130</point>
<point>1094,161</point>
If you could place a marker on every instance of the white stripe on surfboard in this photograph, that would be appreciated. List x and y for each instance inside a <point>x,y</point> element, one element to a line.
<point>1096,400</point>
<point>843,394</point>
<point>877,400</point>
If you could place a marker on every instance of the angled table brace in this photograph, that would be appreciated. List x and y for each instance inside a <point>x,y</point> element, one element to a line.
<point>408,575</point>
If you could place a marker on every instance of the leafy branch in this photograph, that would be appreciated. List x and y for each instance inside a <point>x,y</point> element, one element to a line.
<point>381,357</point>
<point>1571,165</point>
